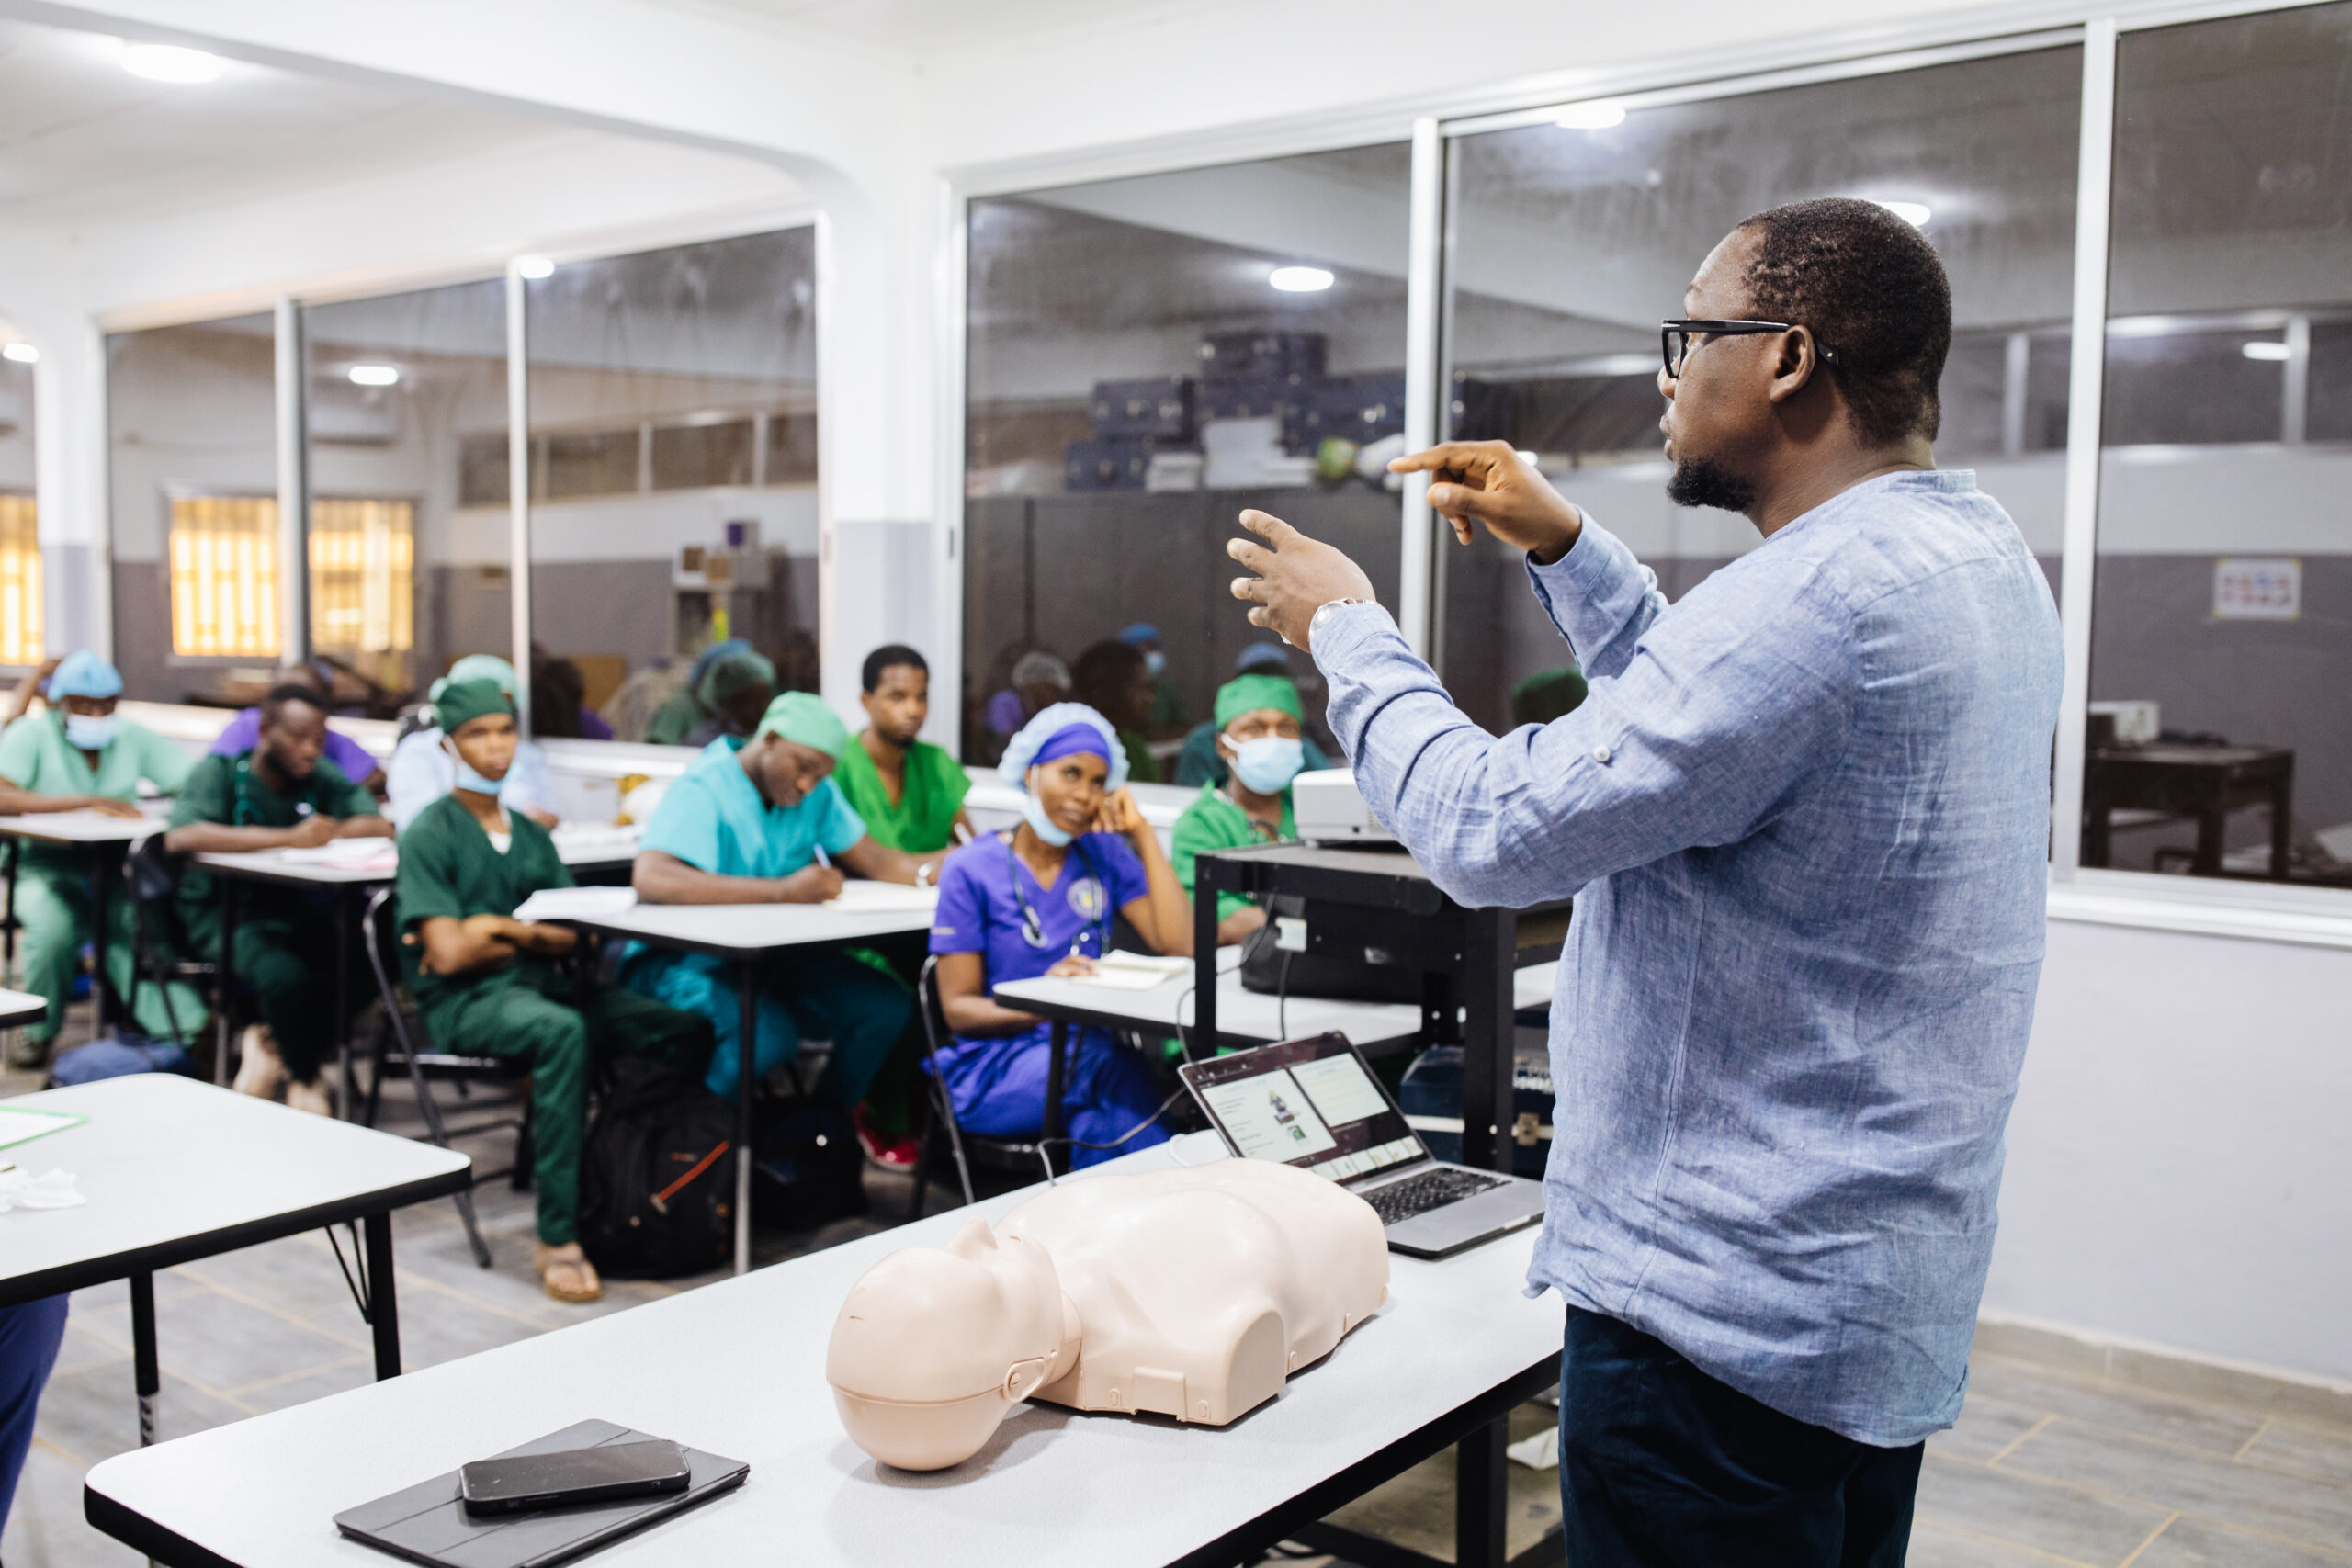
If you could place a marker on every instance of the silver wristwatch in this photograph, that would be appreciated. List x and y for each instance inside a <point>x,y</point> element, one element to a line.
<point>1323,612</point>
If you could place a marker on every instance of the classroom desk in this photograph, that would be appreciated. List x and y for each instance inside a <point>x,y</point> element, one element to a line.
<point>2205,783</point>
<point>748,935</point>
<point>173,1170</point>
<point>84,827</point>
<point>20,1008</point>
<point>738,1367</point>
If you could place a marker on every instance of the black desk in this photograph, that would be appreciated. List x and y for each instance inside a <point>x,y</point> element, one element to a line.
<point>2204,783</point>
<point>1379,906</point>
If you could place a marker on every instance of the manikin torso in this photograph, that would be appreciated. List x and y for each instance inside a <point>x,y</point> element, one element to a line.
<point>1193,1292</point>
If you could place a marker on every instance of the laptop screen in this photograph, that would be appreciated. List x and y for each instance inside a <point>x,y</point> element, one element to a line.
<point>1311,1103</point>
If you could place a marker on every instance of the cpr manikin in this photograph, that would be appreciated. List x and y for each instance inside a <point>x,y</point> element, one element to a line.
<point>1193,1291</point>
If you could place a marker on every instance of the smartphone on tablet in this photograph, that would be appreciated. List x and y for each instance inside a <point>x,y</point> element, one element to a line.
<point>526,1482</point>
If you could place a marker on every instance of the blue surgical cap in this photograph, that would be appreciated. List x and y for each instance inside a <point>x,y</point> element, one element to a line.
<point>82,674</point>
<point>1050,721</point>
<point>1262,656</point>
<point>1142,631</point>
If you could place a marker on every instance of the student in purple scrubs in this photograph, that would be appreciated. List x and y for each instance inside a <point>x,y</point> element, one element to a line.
<point>1039,900</point>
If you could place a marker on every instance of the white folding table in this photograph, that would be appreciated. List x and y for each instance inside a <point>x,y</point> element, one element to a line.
<point>90,828</point>
<point>173,1170</point>
<point>19,1008</point>
<point>738,1368</point>
<point>746,936</point>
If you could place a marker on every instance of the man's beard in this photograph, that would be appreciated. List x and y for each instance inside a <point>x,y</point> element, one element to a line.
<point>1703,481</point>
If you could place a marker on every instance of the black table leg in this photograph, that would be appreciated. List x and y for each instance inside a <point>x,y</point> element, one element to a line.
<point>1480,1491</point>
<point>1487,1037</point>
<point>101,897</point>
<point>1056,1072</point>
<point>146,1376</point>
<point>342,903</point>
<point>2282,822</point>
<point>747,1041</point>
<point>383,1300</point>
<point>224,980</point>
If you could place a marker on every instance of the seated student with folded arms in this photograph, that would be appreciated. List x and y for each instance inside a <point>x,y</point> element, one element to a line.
<point>747,823</point>
<point>1038,900</point>
<point>484,982</point>
<point>77,756</point>
<point>280,794</point>
<point>1257,739</point>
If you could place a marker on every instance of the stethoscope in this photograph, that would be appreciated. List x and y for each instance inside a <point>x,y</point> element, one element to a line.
<point>1033,927</point>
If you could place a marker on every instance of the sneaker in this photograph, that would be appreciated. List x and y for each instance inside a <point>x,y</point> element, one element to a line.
<point>312,1097</point>
<point>27,1055</point>
<point>259,1071</point>
<point>884,1151</point>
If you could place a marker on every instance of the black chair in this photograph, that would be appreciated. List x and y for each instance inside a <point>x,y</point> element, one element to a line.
<point>403,1041</point>
<point>160,945</point>
<point>937,1111</point>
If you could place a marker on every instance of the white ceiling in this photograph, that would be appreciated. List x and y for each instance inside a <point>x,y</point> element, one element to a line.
<point>80,137</point>
<point>929,27</point>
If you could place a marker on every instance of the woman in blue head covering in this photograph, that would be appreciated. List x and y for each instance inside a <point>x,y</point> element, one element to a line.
<point>1039,900</point>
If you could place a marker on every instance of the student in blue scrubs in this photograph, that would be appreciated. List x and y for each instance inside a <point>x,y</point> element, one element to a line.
<point>1038,900</point>
<point>29,1336</point>
<point>743,825</point>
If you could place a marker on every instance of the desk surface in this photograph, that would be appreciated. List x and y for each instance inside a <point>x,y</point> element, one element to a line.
<point>81,828</point>
<point>1248,1014</point>
<point>173,1169</point>
<point>20,1008</point>
<point>2161,755</point>
<point>271,865</point>
<point>747,931</point>
<point>738,1367</point>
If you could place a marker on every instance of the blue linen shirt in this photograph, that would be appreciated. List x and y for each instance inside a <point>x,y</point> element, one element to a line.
<point>1804,813</point>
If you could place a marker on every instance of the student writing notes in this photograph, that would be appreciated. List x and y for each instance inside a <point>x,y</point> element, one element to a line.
<point>487,983</point>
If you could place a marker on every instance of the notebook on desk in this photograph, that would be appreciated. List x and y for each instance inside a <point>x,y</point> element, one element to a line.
<point>428,1523</point>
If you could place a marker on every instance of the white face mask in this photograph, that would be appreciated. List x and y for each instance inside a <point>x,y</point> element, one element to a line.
<point>89,731</point>
<point>1266,765</point>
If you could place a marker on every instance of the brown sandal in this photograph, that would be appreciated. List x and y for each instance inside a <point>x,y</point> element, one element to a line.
<point>571,1279</point>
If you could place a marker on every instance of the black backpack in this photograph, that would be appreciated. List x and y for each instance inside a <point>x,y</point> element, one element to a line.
<point>657,1174</point>
<point>807,1169</point>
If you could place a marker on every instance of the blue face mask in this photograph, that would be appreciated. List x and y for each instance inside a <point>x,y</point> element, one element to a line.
<point>1032,811</point>
<point>1155,661</point>
<point>89,731</point>
<point>1266,765</point>
<point>466,777</point>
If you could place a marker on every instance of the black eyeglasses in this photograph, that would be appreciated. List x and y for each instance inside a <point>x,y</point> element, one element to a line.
<point>1674,339</point>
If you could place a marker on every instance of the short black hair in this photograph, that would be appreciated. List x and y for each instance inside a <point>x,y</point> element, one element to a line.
<point>290,692</point>
<point>889,656</point>
<point>1871,288</point>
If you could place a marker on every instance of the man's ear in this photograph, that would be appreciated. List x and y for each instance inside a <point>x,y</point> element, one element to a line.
<point>1795,363</point>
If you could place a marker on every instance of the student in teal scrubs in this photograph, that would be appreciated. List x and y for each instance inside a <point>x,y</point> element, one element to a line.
<point>78,756</point>
<point>744,824</point>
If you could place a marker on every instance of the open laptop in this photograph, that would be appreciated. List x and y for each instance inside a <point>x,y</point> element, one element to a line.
<point>1313,1104</point>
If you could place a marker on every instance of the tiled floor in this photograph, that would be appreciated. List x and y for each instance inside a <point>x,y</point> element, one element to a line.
<point>2043,1467</point>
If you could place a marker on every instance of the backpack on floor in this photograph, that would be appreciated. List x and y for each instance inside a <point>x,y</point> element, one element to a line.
<point>806,1168</point>
<point>657,1176</point>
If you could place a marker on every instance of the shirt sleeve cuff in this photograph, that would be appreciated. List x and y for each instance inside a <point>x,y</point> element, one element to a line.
<point>1346,630</point>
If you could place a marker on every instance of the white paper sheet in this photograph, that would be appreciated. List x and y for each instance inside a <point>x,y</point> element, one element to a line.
<point>19,1125</point>
<point>884,898</point>
<point>576,903</point>
<point>1134,971</point>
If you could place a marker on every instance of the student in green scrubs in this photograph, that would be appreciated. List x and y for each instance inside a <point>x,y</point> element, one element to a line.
<point>281,794</point>
<point>485,983</point>
<point>744,824</point>
<point>911,795</point>
<point>1257,719</point>
<point>726,698</point>
<point>77,756</point>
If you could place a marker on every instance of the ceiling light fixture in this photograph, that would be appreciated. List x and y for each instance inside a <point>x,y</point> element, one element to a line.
<point>374,375</point>
<point>2261,348</point>
<point>1300,279</point>
<point>534,268</point>
<point>22,353</point>
<point>1599,114</point>
<point>170,62</point>
<point>1911,212</point>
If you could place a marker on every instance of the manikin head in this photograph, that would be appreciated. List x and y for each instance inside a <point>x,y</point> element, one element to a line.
<point>936,1345</point>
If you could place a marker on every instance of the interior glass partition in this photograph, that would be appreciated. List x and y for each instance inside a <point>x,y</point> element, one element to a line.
<point>1146,357</point>
<point>1572,238</point>
<point>2221,675</point>
<point>673,468</point>
<point>405,576</point>
<point>20,590</point>
<point>193,480</point>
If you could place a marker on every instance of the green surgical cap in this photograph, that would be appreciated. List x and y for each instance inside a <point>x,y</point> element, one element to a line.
<point>1248,693</point>
<point>732,676</point>
<point>484,667</point>
<point>803,717</point>
<point>462,702</point>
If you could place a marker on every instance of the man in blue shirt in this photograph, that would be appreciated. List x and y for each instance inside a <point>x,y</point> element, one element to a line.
<point>1804,814</point>
<point>745,824</point>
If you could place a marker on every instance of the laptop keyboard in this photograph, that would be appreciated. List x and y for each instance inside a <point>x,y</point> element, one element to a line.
<point>1400,1201</point>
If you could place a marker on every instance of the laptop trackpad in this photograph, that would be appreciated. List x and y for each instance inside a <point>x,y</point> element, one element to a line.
<point>1505,1208</point>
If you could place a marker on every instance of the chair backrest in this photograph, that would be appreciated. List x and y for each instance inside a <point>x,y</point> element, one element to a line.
<point>935,1032</point>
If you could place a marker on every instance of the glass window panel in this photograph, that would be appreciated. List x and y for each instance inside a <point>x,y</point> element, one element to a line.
<point>1570,244</point>
<point>192,418</point>
<point>2224,565</point>
<point>407,553</point>
<point>20,602</point>
<point>663,523</point>
<point>1139,372</point>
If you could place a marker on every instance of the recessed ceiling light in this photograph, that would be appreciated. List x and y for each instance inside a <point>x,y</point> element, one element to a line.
<point>1300,279</point>
<point>22,353</point>
<point>2264,349</point>
<point>534,266</point>
<point>170,62</point>
<point>1598,114</point>
<point>374,375</point>
<point>1911,212</point>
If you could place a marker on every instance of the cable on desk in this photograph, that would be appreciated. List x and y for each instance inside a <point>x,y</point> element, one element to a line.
<point>1043,1145</point>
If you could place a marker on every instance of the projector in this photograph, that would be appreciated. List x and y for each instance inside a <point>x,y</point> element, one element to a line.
<point>1330,811</point>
